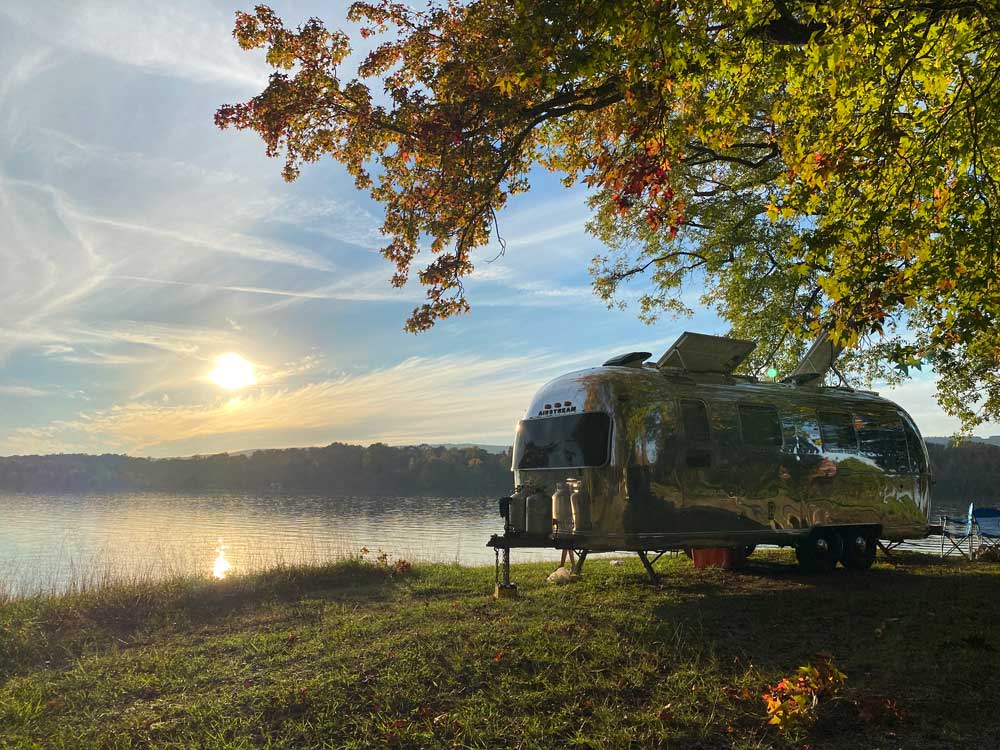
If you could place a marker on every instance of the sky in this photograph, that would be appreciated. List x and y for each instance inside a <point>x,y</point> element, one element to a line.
<point>138,243</point>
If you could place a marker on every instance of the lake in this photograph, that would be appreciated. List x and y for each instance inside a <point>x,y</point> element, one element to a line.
<point>55,542</point>
<point>58,542</point>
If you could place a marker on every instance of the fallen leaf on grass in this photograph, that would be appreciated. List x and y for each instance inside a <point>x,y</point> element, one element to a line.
<point>879,709</point>
<point>735,694</point>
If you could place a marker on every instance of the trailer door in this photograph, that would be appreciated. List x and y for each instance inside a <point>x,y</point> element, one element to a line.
<point>695,457</point>
<point>804,499</point>
<point>761,488</point>
<point>881,441</point>
<point>841,475</point>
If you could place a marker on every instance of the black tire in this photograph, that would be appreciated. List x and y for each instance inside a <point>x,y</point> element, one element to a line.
<point>859,550</point>
<point>820,552</point>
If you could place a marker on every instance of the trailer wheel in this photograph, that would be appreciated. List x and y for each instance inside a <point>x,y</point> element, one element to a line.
<point>859,550</point>
<point>820,552</point>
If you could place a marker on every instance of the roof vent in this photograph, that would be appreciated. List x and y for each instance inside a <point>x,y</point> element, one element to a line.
<point>632,359</point>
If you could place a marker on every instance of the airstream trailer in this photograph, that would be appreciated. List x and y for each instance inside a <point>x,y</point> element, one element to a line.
<point>684,454</point>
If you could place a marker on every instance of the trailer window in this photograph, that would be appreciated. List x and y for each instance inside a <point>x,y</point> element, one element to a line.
<point>572,441</point>
<point>837,431</point>
<point>759,424</point>
<point>882,440</point>
<point>915,447</point>
<point>695,419</point>
<point>800,430</point>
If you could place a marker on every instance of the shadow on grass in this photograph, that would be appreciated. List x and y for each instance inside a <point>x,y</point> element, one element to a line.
<point>922,633</point>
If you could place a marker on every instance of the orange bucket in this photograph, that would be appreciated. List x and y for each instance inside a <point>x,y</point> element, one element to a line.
<point>716,557</point>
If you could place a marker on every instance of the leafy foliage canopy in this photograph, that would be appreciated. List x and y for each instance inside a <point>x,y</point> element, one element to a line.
<point>811,165</point>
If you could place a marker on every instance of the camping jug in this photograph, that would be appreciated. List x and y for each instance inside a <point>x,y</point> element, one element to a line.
<point>518,507</point>
<point>562,510</point>
<point>580,503</point>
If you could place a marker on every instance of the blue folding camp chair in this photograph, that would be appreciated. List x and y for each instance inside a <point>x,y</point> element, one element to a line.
<point>958,531</point>
<point>987,521</point>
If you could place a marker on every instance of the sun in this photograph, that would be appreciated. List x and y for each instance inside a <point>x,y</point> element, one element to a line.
<point>232,372</point>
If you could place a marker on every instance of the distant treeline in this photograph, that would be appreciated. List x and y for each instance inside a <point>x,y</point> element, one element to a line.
<point>968,472</point>
<point>335,469</point>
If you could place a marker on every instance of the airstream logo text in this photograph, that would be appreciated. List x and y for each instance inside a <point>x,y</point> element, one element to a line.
<point>561,410</point>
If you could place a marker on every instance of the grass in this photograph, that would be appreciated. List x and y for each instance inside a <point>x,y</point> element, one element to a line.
<point>351,656</point>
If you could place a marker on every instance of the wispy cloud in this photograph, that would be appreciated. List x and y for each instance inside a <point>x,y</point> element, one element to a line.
<point>180,39</point>
<point>58,258</point>
<point>25,68</point>
<point>210,237</point>
<point>53,349</point>
<point>233,243</point>
<point>21,390</point>
<point>343,220</point>
<point>110,359</point>
<point>175,339</point>
<point>355,287</point>
<point>289,370</point>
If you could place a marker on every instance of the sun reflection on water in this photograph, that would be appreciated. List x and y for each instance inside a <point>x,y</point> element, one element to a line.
<point>221,565</point>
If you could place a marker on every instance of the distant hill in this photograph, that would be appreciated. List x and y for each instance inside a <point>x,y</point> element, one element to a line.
<point>991,440</point>
<point>337,468</point>
<point>969,472</point>
<point>488,448</point>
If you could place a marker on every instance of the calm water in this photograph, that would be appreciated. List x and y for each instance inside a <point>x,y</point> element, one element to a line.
<point>51,543</point>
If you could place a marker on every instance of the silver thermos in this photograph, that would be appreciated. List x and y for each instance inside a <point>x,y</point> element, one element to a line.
<point>562,510</point>
<point>580,503</point>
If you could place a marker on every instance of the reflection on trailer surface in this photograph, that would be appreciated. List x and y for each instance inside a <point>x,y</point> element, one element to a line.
<point>629,456</point>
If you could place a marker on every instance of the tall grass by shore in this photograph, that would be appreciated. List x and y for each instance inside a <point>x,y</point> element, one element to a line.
<point>358,654</point>
<point>71,572</point>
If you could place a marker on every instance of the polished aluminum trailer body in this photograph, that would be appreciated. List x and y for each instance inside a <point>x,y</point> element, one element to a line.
<point>715,460</point>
